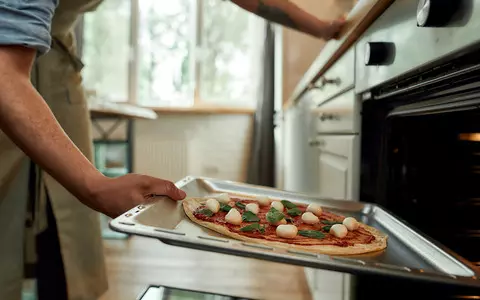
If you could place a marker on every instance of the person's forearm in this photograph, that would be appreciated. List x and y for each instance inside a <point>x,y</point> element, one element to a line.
<point>29,122</point>
<point>285,13</point>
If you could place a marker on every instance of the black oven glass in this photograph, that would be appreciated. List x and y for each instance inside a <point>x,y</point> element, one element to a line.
<point>421,158</point>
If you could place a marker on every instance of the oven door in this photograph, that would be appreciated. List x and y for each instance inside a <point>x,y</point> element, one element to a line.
<point>421,154</point>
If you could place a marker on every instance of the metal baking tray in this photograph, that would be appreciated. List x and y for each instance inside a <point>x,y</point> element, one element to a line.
<point>409,253</point>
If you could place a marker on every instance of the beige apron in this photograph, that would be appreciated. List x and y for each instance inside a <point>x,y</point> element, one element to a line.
<point>56,76</point>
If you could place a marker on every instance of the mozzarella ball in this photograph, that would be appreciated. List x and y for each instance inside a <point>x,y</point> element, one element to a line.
<point>253,207</point>
<point>213,205</point>
<point>263,200</point>
<point>281,222</point>
<point>287,231</point>
<point>223,198</point>
<point>351,223</point>
<point>339,230</point>
<point>310,218</point>
<point>315,209</point>
<point>234,217</point>
<point>277,205</point>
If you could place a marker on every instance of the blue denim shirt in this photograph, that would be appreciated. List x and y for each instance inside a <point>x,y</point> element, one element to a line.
<point>27,23</point>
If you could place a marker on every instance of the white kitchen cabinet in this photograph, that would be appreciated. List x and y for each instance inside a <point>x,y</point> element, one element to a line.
<point>333,175</point>
<point>337,79</point>
<point>278,133</point>
<point>328,284</point>
<point>338,115</point>
<point>337,166</point>
<point>300,168</point>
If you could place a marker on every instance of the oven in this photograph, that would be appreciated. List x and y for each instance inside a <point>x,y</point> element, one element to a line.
<point>418,70</point>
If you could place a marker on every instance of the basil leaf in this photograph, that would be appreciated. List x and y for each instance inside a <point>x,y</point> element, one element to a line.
<point>248,216</point>
<point>288,204</point>
<point>240,205</point>
<point>273,209</point>
<point>206,212</point>
<point>289,220</point>
<point>262,229</point>
<point>225,207</point>
<point>253,227</point>
<point>273,216</point>
<point>294,212</point>
<point>326,222</point>
<point>327,228</point>
<point>312,234</point>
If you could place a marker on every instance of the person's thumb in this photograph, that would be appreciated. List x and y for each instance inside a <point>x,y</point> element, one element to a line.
<point>161,187</point>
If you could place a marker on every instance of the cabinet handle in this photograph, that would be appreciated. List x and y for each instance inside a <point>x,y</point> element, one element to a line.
<point>323,82</point>
<point>335,81</point>
<point>331,117</point>
<point>317,143</point>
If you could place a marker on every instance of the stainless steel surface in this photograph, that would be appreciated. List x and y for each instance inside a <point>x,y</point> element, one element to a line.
<point>415,47</point>
<point>409,254</point>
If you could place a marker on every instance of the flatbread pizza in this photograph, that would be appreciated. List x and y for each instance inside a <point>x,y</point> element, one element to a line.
<point>284,224</point>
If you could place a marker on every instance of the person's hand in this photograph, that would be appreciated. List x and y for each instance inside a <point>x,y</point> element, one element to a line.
<point>114,196</point>
<point>331,30</point>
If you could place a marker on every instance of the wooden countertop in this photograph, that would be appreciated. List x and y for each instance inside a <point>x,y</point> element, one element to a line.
<point>125,110</point>
<point>359,19</point>
<point>120,110</point>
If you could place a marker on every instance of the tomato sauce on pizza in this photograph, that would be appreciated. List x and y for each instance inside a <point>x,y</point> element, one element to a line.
<point>268,232</point>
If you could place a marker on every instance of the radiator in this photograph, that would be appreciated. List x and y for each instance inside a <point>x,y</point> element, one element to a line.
<point>167,159</point>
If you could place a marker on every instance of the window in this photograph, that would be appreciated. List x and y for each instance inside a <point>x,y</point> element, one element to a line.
<point>173,53</point>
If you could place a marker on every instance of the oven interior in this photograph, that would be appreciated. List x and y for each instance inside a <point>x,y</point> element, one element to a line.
<point>433,177</point>
<point>421,157</point>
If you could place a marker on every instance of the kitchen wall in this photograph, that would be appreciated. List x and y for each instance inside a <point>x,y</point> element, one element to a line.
<point>217,145</point>
<point>176,145</point>
<point>300,50</point>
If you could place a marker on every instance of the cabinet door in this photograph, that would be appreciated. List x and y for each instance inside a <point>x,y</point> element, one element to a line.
<point>325,284</point>
<point>333,175</point>
<point>299,158</point>
<point>278,134</point>
<point>338,166</point>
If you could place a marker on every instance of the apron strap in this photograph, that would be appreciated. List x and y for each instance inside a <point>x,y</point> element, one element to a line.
<point>58,45</point>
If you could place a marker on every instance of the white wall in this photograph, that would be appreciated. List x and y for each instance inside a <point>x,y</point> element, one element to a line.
<point>177,145</point>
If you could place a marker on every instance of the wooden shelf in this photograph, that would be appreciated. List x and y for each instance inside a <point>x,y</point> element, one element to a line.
<point>204,110</point>
<point>120,110</point>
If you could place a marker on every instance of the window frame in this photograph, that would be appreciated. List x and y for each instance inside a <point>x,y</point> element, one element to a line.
<point>133,63</point>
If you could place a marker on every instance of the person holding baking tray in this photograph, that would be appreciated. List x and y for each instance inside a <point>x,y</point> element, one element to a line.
<point>47,180</point>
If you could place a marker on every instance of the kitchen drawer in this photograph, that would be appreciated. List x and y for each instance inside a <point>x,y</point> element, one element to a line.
<point>338,78</point>
<point>340,145</point>
<point>338,115</point>
<point>401,47</point>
